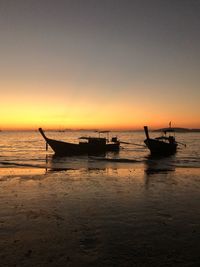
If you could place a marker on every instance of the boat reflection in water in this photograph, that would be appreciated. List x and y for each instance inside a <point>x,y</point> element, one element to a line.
<point>159,164</point>
<point>80,162</point>
<point>105,163</point>
<point>158,170</point>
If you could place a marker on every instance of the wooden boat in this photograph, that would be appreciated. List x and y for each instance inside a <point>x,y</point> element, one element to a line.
<point>90,145</point>
<point>163,145</point>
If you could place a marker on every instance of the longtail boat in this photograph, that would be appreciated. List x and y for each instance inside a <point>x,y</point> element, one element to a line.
<point>162,145</point>
<point>86,145</point>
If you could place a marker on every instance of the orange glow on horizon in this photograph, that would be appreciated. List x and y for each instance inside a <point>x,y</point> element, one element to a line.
<point>31,110</point>
<point>127,118</point>
<point>29,122</point>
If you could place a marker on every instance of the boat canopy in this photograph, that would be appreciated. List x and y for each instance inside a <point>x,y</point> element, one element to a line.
<point>91,138</point>
<point>94,140</point>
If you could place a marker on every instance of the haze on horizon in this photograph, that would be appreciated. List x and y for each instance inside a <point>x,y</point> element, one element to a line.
<point>112,64</point>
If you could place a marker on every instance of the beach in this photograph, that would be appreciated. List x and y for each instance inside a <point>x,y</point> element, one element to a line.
<point>124,215</point>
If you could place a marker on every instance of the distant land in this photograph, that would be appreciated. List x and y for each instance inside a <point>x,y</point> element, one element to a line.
<point>178,129</point>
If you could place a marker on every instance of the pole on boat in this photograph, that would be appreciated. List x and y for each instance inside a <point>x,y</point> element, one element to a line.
<point>42,133</point>
<point>128,143</point>
<point>181,143</point>
<point>44,136</point>
<point>146,132</point>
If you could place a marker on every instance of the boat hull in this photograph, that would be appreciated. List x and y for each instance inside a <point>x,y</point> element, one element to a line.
<point>65,149</point>
<point>160,148</point>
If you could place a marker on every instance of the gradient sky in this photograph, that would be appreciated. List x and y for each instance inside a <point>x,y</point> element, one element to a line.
<point>99,64</point>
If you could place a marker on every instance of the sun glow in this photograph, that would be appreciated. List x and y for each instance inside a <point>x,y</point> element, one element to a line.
<point>86,116</point>
<point>30,108</point>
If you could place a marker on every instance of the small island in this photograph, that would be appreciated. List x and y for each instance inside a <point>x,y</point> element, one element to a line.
<point>178,130</point>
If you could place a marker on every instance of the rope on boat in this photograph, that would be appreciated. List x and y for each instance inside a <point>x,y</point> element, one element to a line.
<point>181,144</point>
<point>132,144</point>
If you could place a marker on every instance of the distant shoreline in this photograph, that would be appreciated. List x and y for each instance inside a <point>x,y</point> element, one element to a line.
<point>179,130</point>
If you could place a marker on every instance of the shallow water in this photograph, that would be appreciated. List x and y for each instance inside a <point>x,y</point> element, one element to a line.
<point>79,211</point>
<point>27,149</point>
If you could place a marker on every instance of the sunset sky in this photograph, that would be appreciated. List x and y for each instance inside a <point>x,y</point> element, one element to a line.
<point>107,64</point>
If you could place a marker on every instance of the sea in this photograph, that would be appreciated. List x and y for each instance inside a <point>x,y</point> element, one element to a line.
<point>119,209</point>
<point>26,151</point>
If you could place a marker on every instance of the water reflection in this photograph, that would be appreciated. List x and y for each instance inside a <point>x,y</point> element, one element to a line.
<point>104,165</point>
<point>157,164</point>
<point>157,170</point>
<point>56,164</point>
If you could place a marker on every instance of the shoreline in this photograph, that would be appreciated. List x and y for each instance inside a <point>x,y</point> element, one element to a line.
<point>114,217</point>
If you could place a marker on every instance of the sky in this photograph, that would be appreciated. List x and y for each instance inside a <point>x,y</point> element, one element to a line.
<point>103,64</point>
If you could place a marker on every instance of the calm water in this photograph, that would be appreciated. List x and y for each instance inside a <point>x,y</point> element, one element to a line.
<point>27,150</point>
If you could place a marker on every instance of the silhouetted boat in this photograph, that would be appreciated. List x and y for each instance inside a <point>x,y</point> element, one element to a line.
<point>163,145</point>
<point>90,145</point>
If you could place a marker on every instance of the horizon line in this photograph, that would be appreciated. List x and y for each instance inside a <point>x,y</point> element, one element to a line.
<point>92,129</point>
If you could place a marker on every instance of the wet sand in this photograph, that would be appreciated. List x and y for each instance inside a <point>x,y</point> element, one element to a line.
<point>110,217</point>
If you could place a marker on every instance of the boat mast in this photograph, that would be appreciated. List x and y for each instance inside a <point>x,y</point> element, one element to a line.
<point>146,132</point>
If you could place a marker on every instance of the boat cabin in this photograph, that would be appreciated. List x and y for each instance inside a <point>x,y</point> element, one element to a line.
<point>93,140</point>
<point>167,137</point>
<point>100,141</point>
<point>170,139</point>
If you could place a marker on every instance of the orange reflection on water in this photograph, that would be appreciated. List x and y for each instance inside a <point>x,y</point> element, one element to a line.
<point>20,171</point>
